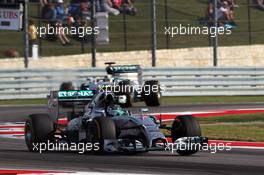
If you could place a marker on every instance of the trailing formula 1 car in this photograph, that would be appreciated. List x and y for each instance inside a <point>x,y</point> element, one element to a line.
<point>129,81</point>
<point>103,122</point>
<point>124,80</point>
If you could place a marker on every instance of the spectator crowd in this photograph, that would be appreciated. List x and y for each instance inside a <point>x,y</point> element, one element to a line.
<point>225,12</point>
<point>77,14</point>
<point>259,4</point>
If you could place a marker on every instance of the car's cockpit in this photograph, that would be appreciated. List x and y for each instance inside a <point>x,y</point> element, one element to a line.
<point>107,103</point>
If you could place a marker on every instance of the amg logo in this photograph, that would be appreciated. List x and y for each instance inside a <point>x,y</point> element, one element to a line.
<point>125,68</point>
<point>65,94</point>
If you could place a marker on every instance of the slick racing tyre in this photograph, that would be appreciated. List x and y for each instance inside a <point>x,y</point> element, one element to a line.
<point>185,126</point>
<point>39,128</point>
<point>66,86</point>
<point>100,129</point>
<point>152,97</point>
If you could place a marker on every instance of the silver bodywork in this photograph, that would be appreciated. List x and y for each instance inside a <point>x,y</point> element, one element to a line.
<point>133,132</point>
<point>138,129</point>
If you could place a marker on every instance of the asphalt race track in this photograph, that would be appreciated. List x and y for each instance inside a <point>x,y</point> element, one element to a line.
<point>14,155</point>
<point>20,113</point>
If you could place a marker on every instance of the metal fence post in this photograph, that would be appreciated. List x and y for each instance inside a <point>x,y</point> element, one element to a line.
<point>26,42</point>
<point>93,42</point>
<point>39,25</point>
<point>124,29</point>
<point>216,37</point>
<point>153,31</point>
<point>82,45</point>
<point>249,22</point>
<point>167,24</point>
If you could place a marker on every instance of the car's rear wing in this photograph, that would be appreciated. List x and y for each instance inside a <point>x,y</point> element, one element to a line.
<point>123,69</point>
<point>60,102</point>
<point>73,95</point>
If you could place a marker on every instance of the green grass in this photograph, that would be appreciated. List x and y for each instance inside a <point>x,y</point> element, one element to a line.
<point>138,28</point>
<point>245,132</point>
<point>246,127</point>
<point>23,102</point>
<point>233,119</point>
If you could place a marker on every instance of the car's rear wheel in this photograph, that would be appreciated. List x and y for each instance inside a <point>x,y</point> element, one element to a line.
<point>101,129</point>
<point>39,128</point>
<point>185,126</point>
<point>152,94</point>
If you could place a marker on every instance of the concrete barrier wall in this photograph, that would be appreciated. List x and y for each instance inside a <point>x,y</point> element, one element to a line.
<point>235,56</point>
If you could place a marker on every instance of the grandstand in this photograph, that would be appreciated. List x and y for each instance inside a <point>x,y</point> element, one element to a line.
<point>138,29</point>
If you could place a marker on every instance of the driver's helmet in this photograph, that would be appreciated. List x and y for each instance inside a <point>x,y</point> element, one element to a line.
<point>106,79</point>
<point>117,80</point>
<point>109,99</point>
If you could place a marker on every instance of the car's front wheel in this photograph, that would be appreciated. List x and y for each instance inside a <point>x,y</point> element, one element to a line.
<point>185,126</point>
<point>101,129</point>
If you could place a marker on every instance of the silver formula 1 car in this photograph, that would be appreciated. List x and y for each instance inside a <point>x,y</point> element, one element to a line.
<point>105,123</point>
<point>124,80</point>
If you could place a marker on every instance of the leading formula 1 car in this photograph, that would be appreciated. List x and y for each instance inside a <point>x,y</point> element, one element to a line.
<point>104,122</point>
